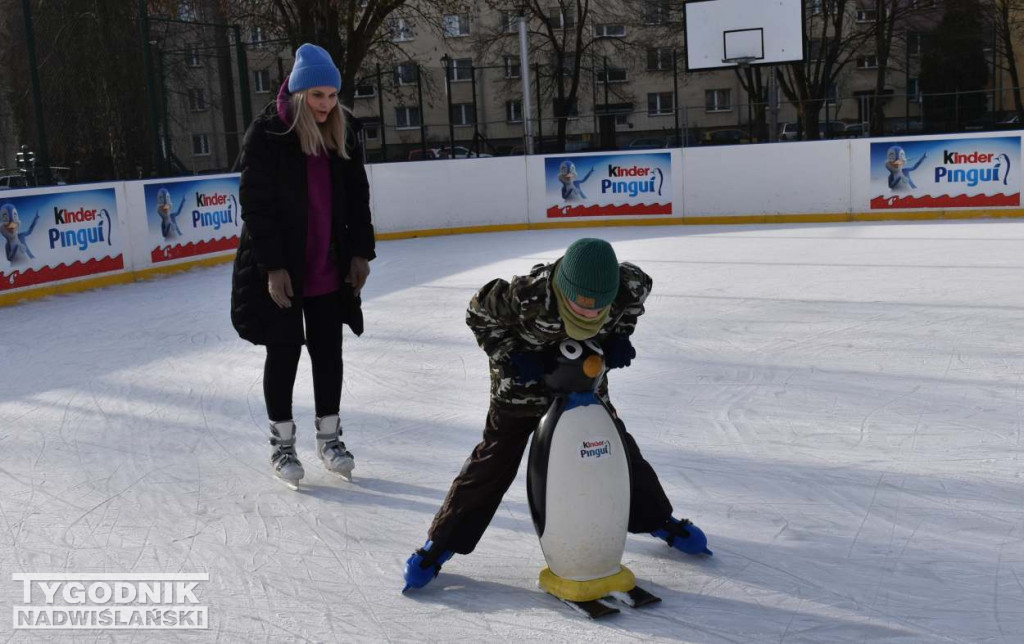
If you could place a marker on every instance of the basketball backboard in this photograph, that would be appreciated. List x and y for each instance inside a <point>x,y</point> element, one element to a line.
<point>726,33</point>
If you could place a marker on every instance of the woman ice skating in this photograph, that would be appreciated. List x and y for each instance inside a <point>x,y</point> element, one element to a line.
<point>586,296</point>
<point>304,252</point>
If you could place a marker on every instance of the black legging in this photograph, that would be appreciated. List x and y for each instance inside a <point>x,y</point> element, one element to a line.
<point>323,342</point>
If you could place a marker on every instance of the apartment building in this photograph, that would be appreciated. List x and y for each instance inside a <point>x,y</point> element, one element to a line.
<point>634,87</point>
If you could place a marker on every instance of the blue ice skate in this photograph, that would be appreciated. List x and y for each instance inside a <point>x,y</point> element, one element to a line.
<point>424,564</point>
<point>684,536</point>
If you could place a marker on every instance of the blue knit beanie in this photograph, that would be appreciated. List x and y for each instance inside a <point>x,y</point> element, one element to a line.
<point>313,68</point>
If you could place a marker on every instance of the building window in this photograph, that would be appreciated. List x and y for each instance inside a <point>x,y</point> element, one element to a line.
<point>655,12</point>
<point>514,111</point>
<point>566,64</point>
<point>456,24</point>
<point>200,145</point>
<point>613,75</point>
<point>867,62</point>
<point>659,59</point>
<point>407,117</point>
<point>914,90</point>
<point>187,11</point>
<point>659,103</point>
<point>461,70</point>
<point>622,119</point>
<point>718,100</point>
<point>365,89</point>
<point>914,42</point>
<point>462,114</point>
<point>406,74</point>
<point>192,57</point>
<point>371,129</point>
<point>509,22</point>
<point>570,110</point>
<point>610,31</point>
<point>401,30</point>
<point>197,100</point>
<point>261,77</point>
<point>560,20</point>
<point>256,37</point>
<point>820,6</point>
<point>866,15</point>
<point>512,69</point>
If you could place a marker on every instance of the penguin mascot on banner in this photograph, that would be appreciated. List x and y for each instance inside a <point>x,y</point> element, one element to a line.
<point>578,486</point>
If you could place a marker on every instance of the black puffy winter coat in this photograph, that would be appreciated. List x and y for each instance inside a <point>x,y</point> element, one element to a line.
<point>275,207</point>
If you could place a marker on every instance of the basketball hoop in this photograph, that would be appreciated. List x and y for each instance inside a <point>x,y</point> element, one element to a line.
<point>742,62</point>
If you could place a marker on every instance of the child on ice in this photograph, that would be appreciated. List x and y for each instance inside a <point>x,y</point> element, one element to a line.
<point>585,295</point>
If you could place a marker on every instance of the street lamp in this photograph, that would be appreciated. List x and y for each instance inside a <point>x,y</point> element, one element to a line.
<point>26,160</point>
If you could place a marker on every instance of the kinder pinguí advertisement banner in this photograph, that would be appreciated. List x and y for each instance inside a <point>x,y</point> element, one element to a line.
<point>192,217</point>
<point>946,173</point>
<point>58,236</point>
<point>608,185</point>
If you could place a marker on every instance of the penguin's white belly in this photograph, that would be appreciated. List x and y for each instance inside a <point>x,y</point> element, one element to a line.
<point>586,497</point>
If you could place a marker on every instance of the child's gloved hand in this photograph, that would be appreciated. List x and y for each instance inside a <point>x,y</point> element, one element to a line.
<point>525,366</point>
<point>618,351</point>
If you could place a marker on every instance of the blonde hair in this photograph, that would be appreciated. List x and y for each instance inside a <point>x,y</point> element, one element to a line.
<point>319,137</point>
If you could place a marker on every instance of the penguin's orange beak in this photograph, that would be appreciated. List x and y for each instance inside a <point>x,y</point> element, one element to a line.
<point>593,366</point>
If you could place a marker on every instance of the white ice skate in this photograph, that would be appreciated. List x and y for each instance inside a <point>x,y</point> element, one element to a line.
<point>331,449</point>
<point>287,467</point>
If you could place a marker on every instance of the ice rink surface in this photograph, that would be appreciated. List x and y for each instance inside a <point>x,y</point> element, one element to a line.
<point>838,406</point>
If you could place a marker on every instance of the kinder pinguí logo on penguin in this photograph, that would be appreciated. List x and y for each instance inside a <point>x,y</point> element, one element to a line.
<point>595,449</point>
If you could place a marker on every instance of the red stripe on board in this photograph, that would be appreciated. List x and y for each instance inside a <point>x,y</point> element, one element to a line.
<point>31,277</point>
<point>945,201</point>
<point>609,210</point>
<point>191,249</point>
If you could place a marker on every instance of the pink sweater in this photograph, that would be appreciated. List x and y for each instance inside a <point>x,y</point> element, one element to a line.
<point>323,275</point>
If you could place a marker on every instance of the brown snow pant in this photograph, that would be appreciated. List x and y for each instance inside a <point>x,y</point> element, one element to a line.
<point>489,471</point>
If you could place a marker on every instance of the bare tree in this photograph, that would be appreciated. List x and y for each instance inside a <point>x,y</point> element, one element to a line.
<point>573,40</point>
<point>90,65</point>
<point>355,32</point>
<point>831,46</point>
<point>883,27</point>
<point>1006,19</point>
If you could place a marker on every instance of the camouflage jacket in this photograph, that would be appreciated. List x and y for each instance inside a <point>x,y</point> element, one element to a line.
<point>523,316</point>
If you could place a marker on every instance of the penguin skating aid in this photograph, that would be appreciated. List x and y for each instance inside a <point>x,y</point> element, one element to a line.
<point>578,485</point>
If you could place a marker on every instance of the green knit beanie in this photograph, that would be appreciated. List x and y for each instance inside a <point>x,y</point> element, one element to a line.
<point>588,274</point>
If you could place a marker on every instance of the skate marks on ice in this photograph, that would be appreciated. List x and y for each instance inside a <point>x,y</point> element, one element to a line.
<point>847,433</point>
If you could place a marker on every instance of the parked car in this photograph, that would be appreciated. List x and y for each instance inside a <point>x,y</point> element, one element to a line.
<point>419,154</point>
<point>726,137</point>
<point>1009,123</point>
<point>646,143</point>
<point>855,131</point>
<point>12,181</point>
<point>462,153</point>
<point>791,131</point>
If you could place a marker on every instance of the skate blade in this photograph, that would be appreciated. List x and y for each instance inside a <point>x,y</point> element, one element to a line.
<point>635,598</point>
<point>593,609</point>
<point>345,471</point>
<point>290,484</point>
<point>345,476</point>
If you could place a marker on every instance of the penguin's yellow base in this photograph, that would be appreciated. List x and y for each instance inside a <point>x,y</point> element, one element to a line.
<point>584,591</point>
